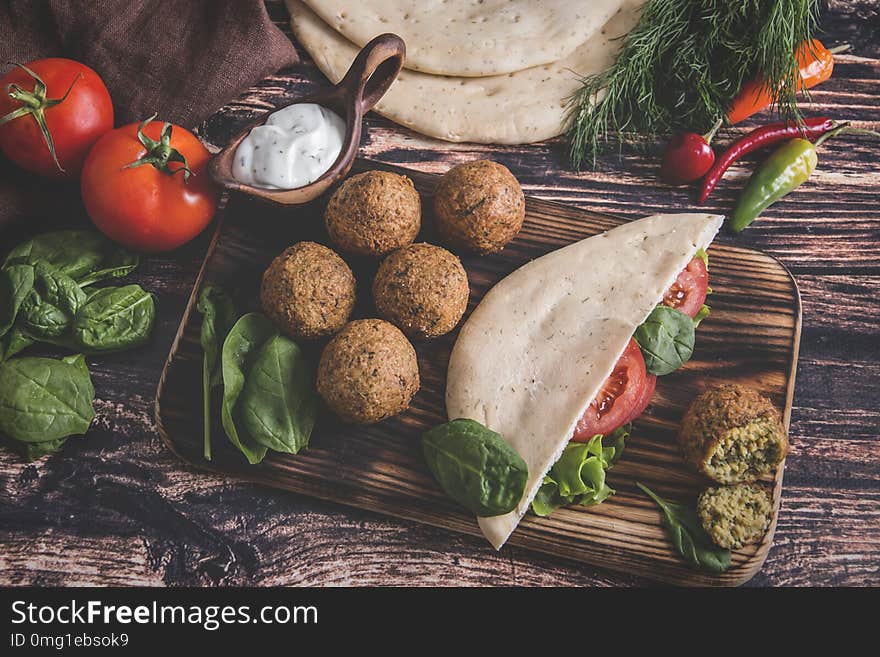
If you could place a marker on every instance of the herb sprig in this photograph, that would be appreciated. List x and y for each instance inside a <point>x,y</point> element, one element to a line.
<point>683,64</point>
<point>688,535</point>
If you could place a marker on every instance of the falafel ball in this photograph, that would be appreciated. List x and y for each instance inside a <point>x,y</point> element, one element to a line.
<point>479,207</point>
<point>734,516</point>
<point>308,291</point>
<point>368,372</point>
<point>732,434</point>
<point>422,289</point>
<point>374,213</point>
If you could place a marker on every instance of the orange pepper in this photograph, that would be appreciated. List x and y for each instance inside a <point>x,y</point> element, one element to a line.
<point>815,62</point>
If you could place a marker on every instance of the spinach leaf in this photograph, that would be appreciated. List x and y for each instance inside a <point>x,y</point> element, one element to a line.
<point>13,342</point>
<point>475,467</point>
<point>84,255</point>
<point>578,476</point>
<point>239,352</point>
<point>16,283</point>
<point>219,316</point>
<point>44,399</point>
<point>117,263</point>
<point>278,406</point>
<point>54,299</point>
<point>666,340</point>
<point>42,320</point>
<point>688,535</point>
<point>34,451</point>
<point>114,318</point>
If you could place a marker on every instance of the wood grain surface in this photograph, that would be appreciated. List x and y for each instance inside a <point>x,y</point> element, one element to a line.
<point>117,507</point>
<point>752,337</point>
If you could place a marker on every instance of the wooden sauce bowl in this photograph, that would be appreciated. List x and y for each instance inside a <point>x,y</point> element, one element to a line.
<point>371,73</point>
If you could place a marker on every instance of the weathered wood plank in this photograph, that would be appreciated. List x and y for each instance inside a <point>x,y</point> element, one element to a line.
<point>119,493</point>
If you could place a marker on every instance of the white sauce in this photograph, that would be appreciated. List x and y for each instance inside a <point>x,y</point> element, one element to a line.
<point>293,148</point>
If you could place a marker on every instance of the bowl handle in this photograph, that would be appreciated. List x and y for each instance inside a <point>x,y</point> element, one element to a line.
<point>373,70</point>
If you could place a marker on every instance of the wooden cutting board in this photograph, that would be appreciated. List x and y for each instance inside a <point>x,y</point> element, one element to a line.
<point>751,337</point>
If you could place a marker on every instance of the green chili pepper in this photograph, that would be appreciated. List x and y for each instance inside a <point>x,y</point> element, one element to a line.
<point>783,172</point>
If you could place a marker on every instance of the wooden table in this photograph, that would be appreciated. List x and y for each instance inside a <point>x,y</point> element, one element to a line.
<point>117,508</point>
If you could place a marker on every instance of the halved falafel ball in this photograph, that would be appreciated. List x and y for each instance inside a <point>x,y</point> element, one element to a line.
<point>374,213</point>
<point>734,516</point>
<point>732,434</point>
<point>479,207</point>
<point>308,291</point>
<point>368,372</point>
<point>422,289</point>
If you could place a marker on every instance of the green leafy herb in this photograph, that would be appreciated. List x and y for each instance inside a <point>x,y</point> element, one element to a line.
<point>34,451</point>
<point>219,316</point>
<point>16,283</point>
<point>702,255</point>
<point>666,339</point>
<point>44,399</point>
<point>684,63</point>
<point>578,476</point>
<point>688,535</point>
<point>239,352</point>
<point>13,342</point>
<point>52,303</point>
<point>278,404</point>
<point>84,255</point>
<point>475,467</point>
<point>114,318</point>
<point>704,310</point>
<point>47,295</point>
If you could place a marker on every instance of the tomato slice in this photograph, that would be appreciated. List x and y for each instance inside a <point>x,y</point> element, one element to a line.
<point>645,399</point>
<point>618,397</point>
<point>688,292</point>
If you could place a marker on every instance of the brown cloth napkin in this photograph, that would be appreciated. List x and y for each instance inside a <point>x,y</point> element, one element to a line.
<point>183,59</point>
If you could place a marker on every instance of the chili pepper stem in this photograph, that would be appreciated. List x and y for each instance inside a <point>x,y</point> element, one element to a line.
<point>847,128</point>
<point>836,130</point>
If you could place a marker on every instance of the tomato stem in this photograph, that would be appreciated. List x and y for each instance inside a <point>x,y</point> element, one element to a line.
<point>160,154</point>
<point>36,103</point>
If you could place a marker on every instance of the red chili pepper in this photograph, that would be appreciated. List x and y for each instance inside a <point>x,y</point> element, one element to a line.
<point>767,135</point>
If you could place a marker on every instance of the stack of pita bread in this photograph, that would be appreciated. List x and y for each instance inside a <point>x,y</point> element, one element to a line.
<point>489,71</point>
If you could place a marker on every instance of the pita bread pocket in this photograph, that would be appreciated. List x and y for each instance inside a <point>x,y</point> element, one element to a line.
<point>370,75</point>
<point>538,348</point>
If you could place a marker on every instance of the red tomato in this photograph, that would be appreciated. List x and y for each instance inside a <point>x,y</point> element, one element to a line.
<point>617,398</point>
<point>645,399</point>
<point>74,123</point>
<point>688,293</point>
<point>152,206</point>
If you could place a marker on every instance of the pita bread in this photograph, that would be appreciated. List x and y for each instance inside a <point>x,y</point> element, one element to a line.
<point>471,38</point>
<point>538,347</point>
<point>517,108</point>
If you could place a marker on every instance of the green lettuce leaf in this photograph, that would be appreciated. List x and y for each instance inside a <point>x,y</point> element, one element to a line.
<point>578,476</point>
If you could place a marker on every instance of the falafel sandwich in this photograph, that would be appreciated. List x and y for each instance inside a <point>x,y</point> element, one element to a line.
<point>542,358</point>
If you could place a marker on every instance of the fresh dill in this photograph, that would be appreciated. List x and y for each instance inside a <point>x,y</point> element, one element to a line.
<point>683,64</point>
